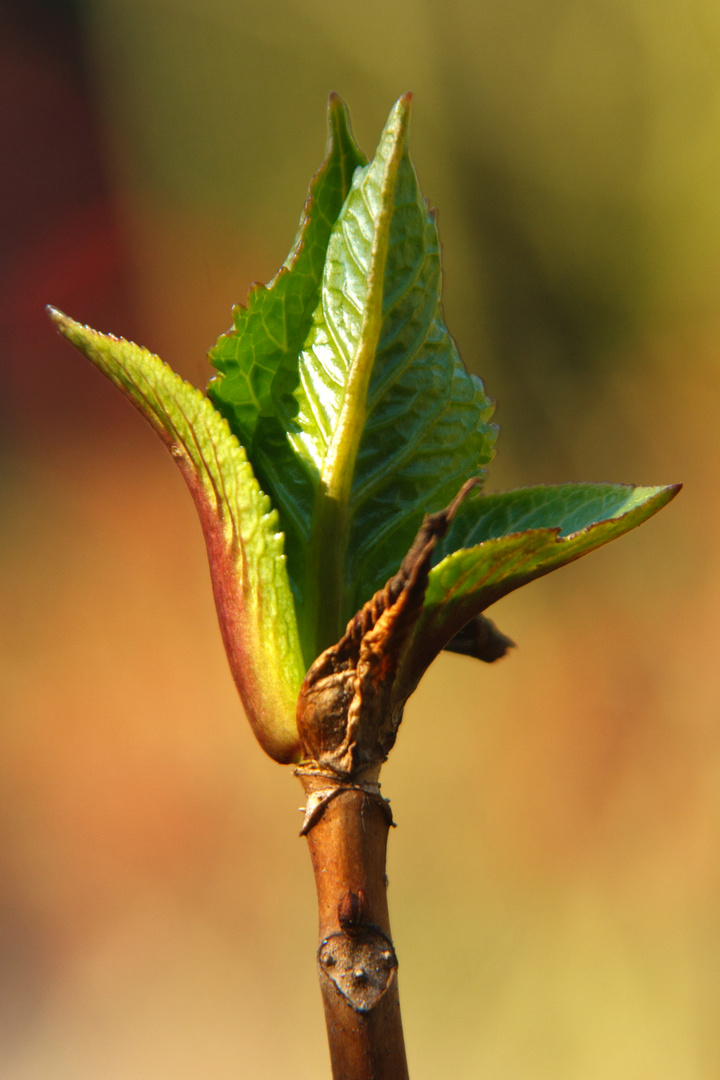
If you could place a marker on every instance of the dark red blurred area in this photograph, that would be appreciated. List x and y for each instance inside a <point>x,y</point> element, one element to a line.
<point>60,237</point>
<point>60,243</point>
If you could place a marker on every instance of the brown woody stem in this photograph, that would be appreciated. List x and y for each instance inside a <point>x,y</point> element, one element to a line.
<point>349,708</point>
<point>356,960</point>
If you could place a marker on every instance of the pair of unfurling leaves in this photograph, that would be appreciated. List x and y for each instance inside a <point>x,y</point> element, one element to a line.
<point>339,425</point>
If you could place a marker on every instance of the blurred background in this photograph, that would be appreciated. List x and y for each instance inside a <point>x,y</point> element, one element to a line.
<point>555,877</point>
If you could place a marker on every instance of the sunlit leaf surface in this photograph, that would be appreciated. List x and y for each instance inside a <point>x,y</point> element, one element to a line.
<point>245,546</point>
<point>378,422</point>
<point>508,539</point>
<point>340,415</point>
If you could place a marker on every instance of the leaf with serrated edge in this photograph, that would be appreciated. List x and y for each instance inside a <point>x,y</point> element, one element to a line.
<point>383,422</point>
<point>257,361</point>
<point>518,536</point>
<point>273,325</point>
<point>245,547</point>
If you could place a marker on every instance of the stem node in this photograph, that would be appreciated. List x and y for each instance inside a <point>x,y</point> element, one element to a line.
<point>357,965</point>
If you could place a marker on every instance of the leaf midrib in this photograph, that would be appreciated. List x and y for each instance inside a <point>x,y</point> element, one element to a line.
<point>331,517</point>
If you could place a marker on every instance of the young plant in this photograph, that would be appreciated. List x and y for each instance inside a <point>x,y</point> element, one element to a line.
<point>336,464</point>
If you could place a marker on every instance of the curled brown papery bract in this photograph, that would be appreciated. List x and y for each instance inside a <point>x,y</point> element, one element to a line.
<point>350,706</point>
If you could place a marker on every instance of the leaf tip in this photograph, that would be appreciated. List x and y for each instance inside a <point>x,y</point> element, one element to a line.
<point>398,121</point>
<point>78,334</point>
<point>73,331</point>
<point>660,496</point>
<point>337,110</point>
<point>56,316</point>
<point>335,102</point>
<point>340,128</point>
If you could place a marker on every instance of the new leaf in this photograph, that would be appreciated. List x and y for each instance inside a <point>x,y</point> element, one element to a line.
<point>245,546</point>
<point>380,420</point>
<point>341,423</point>
<point>501,541</point>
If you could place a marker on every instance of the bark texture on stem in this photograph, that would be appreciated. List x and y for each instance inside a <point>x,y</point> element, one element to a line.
<point>357,966</point>
<point>349,709</point>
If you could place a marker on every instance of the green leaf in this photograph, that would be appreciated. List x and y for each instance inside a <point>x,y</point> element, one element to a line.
<point>379,422</point>
<point>518,536</point>
<point>258,360</point>
<point>343,384</point>
<point>271,329</point>
<point>245,547</point>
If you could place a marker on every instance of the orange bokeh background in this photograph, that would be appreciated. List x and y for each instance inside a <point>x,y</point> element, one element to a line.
<point>555,877</point>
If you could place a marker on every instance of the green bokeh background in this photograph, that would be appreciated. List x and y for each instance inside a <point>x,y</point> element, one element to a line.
<point>555,877</point>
